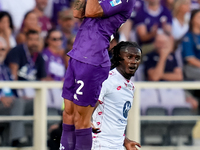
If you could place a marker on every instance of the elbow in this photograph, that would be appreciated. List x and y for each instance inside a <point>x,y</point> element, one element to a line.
<point>154,78</point>
<point>180,77</point>
<point>77,15</point>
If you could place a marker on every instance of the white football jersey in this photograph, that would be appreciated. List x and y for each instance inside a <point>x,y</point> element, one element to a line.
<point>110,116</point>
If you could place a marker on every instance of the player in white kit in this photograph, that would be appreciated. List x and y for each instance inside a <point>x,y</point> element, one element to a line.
<point>115,100</point>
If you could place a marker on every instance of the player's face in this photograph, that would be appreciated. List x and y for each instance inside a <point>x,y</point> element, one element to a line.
<point>32,41</point>
<point>131,59</point>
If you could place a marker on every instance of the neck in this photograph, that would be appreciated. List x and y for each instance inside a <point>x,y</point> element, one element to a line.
<point>180,18</point>
<point>53,50</point>
<point>196,30</point>
<point>153,7</point>
<point>126,76</point>
<point>38,12</point>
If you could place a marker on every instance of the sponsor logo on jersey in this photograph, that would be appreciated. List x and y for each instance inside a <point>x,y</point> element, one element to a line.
<point>127,107</point>
<point>98,123</point>
<point>100,113</point>
<point>119,88</point>
<point>115,2</point>
<point>122,121</point>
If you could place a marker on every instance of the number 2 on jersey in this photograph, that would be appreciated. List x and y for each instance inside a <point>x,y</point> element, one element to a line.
<point>78,91</point>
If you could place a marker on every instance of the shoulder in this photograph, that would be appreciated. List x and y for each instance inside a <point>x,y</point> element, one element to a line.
<point>187,37</point>
<point>166,11</point>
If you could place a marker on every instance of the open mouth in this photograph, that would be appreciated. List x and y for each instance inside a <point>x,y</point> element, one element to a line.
<point>132,68</point>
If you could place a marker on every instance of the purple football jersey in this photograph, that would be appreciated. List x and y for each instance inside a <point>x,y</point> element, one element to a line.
<point>54,65</point>
<point>143,16</point>
<point>93,37</point>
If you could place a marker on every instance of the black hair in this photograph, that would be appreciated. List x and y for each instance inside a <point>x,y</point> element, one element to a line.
<point>31,32</point>
<point>5,13</point>
<point>116,52</point>
<point>49,34</point>
<point>193,13</point>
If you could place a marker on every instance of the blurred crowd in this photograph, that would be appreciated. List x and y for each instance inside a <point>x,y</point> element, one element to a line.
<point>35,36</point>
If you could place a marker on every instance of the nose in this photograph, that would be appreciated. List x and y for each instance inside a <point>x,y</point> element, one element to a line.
<point>133,61</point>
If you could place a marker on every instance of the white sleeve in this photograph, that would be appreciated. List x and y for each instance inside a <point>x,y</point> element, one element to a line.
<point>106,86</point>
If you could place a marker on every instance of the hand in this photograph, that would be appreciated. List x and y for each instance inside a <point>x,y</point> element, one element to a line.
<point>7,101</point>
<point>154,29</point>
<point>95,130</point>
<point>131,145</point>
<point>7,32</point>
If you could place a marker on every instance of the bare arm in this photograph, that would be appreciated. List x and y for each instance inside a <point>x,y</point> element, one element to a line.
<point>79,8</point>
<point>14,70</point>
<point>175,76</point>
<point>143,33</point>
<point>93,9</point>
<point>193,61</point>
<point>155,74</point>
<point>126,29</point>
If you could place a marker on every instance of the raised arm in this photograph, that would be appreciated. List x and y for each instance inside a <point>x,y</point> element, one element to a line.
<point>93,9</point>
<point>79,8</point>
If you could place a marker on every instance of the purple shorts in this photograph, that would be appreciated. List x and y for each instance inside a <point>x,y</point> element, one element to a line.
<point>83,82</point>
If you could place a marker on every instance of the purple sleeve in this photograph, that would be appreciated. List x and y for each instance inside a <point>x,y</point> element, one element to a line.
<point>112,7</point>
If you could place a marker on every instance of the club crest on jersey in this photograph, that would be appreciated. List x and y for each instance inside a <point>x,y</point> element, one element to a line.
<point>115,2</point>
<point>127,107</point>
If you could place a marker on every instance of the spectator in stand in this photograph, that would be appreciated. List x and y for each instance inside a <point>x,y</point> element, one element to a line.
<point>6,29</point>
<point>9,103</point>
<point>190,50</point>
<point>180,23</point>
<point>44,21</point>
<point>161,65</point>
<point>26,63</point>
<point>17,9</point>
<point>30,23</point>
<point>55,67</point>
<point>54,7</point>
<point>70,43</point>
<point>52,57</point>
<point>151,18</point>
<point>66,22</point>
<point>191,47</point>
<point>168,4</point>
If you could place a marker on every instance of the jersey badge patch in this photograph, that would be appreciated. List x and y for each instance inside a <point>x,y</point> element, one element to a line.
<point>115,2</point>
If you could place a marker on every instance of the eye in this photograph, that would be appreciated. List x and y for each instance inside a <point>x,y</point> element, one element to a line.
<point>137,58</point>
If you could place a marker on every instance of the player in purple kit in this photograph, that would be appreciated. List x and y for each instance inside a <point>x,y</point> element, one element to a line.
<point>89,66</point>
